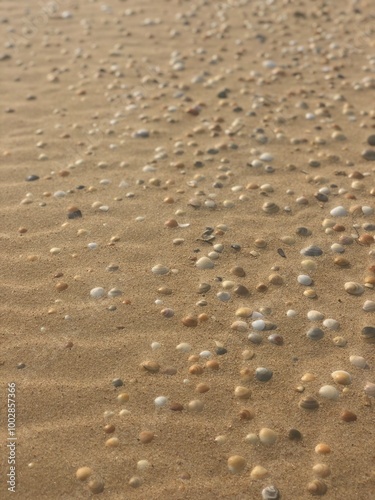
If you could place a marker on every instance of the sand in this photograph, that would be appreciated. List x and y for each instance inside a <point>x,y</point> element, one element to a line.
<point>78,79</point>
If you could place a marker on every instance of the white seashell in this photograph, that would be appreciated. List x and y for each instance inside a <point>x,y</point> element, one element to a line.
<point>160,270</point>
<point>240,326</point>
<point>204,263</point>
<point>367,210</point>
<point>354,288</point>
<point>315,315</point>
<point>369,306</point>
<point>97,293</point>
<point>358,361</point>
<point>259,324</point>
<point>257,315</point>
<point>329,392</point>
<point>291,313</point>
<point>337,248</point>
<point>331,324</point>
<point>184,347</point>
<point>339,212</point>
<point>304,279</point>
<point>370,389</point>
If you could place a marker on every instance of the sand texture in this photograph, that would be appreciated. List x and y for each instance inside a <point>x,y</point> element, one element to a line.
<point>137,138</point>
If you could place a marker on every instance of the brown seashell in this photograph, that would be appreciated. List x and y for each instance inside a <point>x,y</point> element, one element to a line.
<point>370,279</point>
<point>146,437</point>
<point>322,449</point>
<point>261,287</point>
<point>171,223</point>
<point>308,403</point>
<point>270,208</point>
<point>61,286</point>
<point>196,370</point>
<point>246,414</point>
<point>238,271</point>
<point>109,428</point>
<point>212,364</point>
<point>241,291</point>
<point>341,377</point>
<point>341,262</point>
<point>236,464</point>
<point>366,239</point>
<point>202,388</point>
<point>348,416</point>
<point>276,279</point>
<point>176,407</point>
<point>165,290</point>
<point>190,321</point>
<point>317,487</point>
<point>339,228</point>
<point>151,366</point>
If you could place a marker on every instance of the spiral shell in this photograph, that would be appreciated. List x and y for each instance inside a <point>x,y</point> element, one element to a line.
<point>354,288</point>
<point>317,487</point>
<point>270,493</point>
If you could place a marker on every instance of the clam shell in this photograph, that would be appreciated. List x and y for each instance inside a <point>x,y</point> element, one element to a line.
<point>368,334</point>
<point>267,436</point>
<point>236,464</point>
<point>258,472</point>
<point>341,377</point>
<point>204,263</point>
<point>160,270</point>
<point>270,208</point>
<point>358,361</point>
<point>243,312</point>
<point>331,324</point>
<point>354,288</point>
<point>370,389</point>
<point>315,315</point>
<point>240,326</point>
<point>308,403</point>
<point>312,251</point>
<point>321,470</point>
<point>317,487</point>
<point>329,392</point>
<point>242,392</point>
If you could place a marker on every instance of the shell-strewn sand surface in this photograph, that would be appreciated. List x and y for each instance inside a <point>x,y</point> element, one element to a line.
<point>137,134</point>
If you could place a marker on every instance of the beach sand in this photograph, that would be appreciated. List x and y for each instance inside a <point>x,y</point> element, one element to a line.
<point>236,123</point>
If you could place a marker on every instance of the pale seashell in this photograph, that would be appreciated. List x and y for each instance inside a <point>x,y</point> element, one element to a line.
<point>258,472</point>
<point>329,392</point>
<point>270,493</point>
<point>267,436</point>
<point>354,288</point>
<point>340,341</point>
<point>370,389</point>
<point>308,265</point>
<point>341,377</point>
<point>242,392</point>
<point>315,315</point>
<point>321,470</point>
<point>304,279</point>
<point>270,208</point>
<point>291,313</point>
<point>331,324</point>
<point>240,326</point>
<point>317,487</point>
<point>160,270</point>
<point>337,248</point>
<point>339,212</point>
<point>358,361</point>
<point>204,263</point>
<point>97,293</point>
<point>251,438</point>
<point>369,306</point>
<point>243,312</point>
<point>236,464</point>
<point>259,324</point>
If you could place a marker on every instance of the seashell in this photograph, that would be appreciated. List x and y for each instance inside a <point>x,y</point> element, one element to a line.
<point>315,315</point>
<point>196,370</point>
<point>317,487</point>
<point>236,464</point>
<point>331,324</point>
<point>321,470</point>
<point>190,321</point>
<point>258,472</point>
<point>339,212</point>
<point>322,449</point>
<point>263,374</point>
<point>260,243</point>
<point>258,324</point>
<point>308,377</point>
<point>269,326</point>
<point>303,231</point>
<point>255,338</point>
<point>346,240</point>
<point>242,392</point>
<point>203,288</point>
<point>276,279</point>
<point>294,435</point>
<point>276,339</point>
<point>310,293</point>
<point>238,271</point>
<point>308,265</point>
<point>288,240</point>
<point>165,290</point>
<point>204,263</point>
<point>304,279</point>
<point>348,416</point>
<point>247,414</point>
<point>150,366</point>
<point>368,334</point>
<point>340,341</point>
<point>341,262</point>
<point>329,392</point>
<point>315,333</point>
<point>358,361</point>
<point>240,326</point>
<point>291,313</point>
<point>223,296</point>
<point>195,405</point>
<point>183,347</point>
<point>341,377</point>
<point>252,439</point>
<point>228,285</point>
<point>337,248</point>
<point>308,403</point>
<point>312,251</point>
<point>160,270</point>
<point>270,208</point>
<point>243,312</point>
<point>97,292</point>
<point>370,389</point>
<point>270,493</point>
<point>267,436</point>
<point>354,288</point>
<point>241,291</point>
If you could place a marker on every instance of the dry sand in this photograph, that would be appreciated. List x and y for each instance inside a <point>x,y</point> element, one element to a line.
<point>78,79</point>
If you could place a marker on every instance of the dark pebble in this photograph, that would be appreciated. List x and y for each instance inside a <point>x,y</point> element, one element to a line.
<point>76,214</point>
<point>31,178</point>
<point>321,197</point>
<point>315,333</point>
<point>223,94</point>
<point>20,366</point>
<point>220,351</point>
<point>369,154</point>
<point>263,374</point>
<point>80,187</point>
<point>294,435</point>
<point>303,231</point>
<point>117,382</point>
<point>371,140</point>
